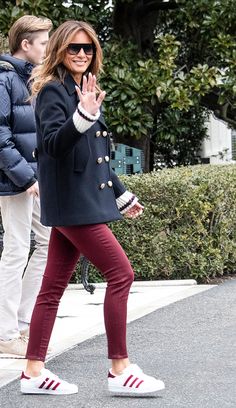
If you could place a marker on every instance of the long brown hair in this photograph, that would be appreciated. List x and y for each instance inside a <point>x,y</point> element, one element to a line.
<point>52,67</point>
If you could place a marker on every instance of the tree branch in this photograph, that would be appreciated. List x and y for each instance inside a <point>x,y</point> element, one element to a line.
<point>153,5</point>
<point>224,112</point>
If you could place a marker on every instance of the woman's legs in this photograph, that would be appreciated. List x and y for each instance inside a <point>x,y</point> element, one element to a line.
<point>101,247</point>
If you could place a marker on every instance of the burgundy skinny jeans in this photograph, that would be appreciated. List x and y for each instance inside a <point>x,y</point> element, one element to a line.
<point>98,244</point>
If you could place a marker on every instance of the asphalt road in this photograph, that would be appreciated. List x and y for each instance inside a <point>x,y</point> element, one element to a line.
<point>190,344</point>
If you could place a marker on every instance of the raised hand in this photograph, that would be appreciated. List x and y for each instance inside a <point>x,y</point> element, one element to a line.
<point>89,99</point>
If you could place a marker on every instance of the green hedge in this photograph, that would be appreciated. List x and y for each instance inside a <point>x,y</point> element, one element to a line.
<point>188,228</point>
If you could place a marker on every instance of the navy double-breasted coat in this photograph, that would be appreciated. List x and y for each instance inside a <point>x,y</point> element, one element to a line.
<point>77,185</point>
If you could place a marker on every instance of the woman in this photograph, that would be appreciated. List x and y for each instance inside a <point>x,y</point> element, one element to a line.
<point>79,195</point>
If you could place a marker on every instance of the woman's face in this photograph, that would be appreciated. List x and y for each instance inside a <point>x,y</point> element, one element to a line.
<point>77,58</point>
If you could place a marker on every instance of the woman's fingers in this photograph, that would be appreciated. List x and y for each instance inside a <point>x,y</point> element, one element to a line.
<point>91,83</point>
<point>85,98</point>
<point>84,85</point>
<point>78,91</point>
<point>101,97</point>
<point>87,95</point>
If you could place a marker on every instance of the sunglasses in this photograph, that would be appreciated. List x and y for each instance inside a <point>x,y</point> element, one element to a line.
<point>74,48</point>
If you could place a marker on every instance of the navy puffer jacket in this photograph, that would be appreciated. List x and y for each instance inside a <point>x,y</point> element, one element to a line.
<point>17,127</point>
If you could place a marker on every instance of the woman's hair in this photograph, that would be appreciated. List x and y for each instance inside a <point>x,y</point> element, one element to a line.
<point>26,27</point>
<point>53,67</point>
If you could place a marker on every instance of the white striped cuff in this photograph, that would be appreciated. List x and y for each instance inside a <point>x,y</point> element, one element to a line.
<point>126,201</point>
<point>81,123</point>
<point>88,115</point>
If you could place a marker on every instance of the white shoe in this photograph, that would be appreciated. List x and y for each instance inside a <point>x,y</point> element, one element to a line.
<point>46,383</point>
<point>15,348</point>
<point>133,382</point>
<point>25,332</point>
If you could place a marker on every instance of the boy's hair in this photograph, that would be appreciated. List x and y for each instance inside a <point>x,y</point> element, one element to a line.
<point>26,27</point>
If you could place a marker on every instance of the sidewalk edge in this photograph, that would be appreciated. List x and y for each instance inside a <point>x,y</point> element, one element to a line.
<point>177,282</point>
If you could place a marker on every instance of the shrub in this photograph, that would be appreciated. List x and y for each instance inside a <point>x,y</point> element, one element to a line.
<point>188,228</point>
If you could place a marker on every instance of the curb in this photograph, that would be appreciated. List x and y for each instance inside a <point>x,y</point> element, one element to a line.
<point>102,285</point>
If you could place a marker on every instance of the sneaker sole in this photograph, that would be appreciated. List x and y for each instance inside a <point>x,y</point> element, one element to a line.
<point>49,392</point>
<point>133,391</point>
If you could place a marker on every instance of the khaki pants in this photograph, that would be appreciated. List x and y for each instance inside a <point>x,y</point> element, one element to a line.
<point>20,214</point>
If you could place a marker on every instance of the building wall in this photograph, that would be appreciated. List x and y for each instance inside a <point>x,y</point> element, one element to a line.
<point>218,146</point>
<point>234,144</point>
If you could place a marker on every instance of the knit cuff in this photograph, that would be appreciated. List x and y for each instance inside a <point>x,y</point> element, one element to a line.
<point>84,120</point>
<point>126,201</point>
<point>86,115</point>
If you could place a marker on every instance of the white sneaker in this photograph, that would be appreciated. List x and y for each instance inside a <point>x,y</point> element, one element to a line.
<point>46,383</point>
<point>134,382</point>
<point>25,332</point>
<point>15,348</point>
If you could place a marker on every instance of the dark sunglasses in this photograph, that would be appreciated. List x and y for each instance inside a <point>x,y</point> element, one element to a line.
<point>74,48</point>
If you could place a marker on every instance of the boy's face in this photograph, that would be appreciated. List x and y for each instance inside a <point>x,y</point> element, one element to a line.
<point>35,51</point>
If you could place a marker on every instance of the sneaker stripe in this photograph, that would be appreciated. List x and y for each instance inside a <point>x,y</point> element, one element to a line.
<point>129,378</point>
<point>50,384</point>
<point>133,382</point>
<point>140,382</point>
<point>55,386</point>
<point>43,383</point>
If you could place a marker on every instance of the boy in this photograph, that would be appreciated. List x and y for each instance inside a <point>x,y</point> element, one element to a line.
<point>19,193</point>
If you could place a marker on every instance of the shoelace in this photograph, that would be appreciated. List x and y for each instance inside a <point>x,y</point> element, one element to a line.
<point>136,370</point>
<point>24,339</point>
<point>53,376</point>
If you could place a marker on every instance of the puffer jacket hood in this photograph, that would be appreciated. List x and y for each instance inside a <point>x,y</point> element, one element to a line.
<point>17,127</point>
<point>22,68</point>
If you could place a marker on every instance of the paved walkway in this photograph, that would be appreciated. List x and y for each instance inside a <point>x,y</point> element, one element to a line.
<point>189,343</point>
<point>80,315</point>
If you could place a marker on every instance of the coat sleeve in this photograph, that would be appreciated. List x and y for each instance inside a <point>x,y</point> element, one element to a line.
<point>12,163</point>
<point>58,132</point>
<point>124,198</point>
<point>118,186</point>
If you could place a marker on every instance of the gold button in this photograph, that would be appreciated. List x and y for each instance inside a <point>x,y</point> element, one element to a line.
<point>102,186</point>
<point>98,133</point>
<point>99,160</point>
<point>109,183</point>
<point>107,158</point>
<point>104,133</point>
